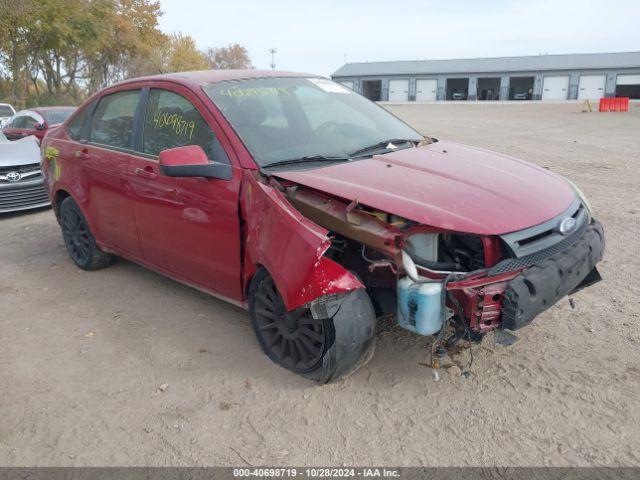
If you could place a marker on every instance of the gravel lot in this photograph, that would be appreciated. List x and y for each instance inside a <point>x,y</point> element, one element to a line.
<point>82,354</point>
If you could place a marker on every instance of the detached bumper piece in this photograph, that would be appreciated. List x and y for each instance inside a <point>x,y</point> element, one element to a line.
<point>540,286</point>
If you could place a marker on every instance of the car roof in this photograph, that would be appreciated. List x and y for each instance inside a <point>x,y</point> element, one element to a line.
<point>48,109</point>
<point>204,77</point>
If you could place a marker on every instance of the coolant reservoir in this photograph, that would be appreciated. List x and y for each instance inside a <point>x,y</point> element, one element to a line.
<point>420,306</point>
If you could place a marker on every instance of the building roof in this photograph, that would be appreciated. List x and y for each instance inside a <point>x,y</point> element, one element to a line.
<point>577,61</point>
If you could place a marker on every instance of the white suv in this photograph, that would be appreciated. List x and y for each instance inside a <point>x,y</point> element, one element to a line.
<point>6,112</point>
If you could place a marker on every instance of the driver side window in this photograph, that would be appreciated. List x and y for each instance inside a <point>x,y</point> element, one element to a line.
<point>173,121</point>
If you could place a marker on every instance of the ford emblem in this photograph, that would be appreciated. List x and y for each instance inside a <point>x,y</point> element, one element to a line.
<point>567,226</point>
<point>13,176</point>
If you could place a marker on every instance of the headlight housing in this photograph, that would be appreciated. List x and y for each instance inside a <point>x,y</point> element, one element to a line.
<point>579,194</point>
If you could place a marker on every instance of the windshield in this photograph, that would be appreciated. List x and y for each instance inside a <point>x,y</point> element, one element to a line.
<point>287,118</point>
<point>56,116</point>
<point>5,111</point>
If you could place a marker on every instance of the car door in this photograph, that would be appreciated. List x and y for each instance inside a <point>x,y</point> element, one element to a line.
<point>188,227</point>
<point>105,153</point>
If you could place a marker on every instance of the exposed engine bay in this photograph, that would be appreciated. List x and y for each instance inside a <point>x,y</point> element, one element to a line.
<point>436,282</point>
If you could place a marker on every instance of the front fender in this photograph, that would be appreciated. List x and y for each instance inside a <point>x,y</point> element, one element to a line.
<point>288,245</point>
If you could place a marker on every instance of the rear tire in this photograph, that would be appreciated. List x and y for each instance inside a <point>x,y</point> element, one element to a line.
<point>79,240</point>
<point>322,350</point>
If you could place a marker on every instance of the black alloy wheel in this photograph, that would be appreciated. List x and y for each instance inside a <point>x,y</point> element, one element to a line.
<point>76,236</point>
<point>293,339</point>
<point>319,349</point>
<point>79,240</point>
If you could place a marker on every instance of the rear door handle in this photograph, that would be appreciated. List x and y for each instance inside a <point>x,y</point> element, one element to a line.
<point>146,172</point>
<point>83,154</point>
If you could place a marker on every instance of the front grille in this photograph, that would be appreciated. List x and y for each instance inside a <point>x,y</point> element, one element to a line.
<point>23,197</point>
<point>28,173</point>
<point>540,237</point>
<point>20,168</point>
<point>511,264</point>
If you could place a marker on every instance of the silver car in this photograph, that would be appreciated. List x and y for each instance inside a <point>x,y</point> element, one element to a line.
<point>6,112</point>
<point>21,182</point>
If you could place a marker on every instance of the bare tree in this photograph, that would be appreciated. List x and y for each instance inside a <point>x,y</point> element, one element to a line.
<point>225,58</point>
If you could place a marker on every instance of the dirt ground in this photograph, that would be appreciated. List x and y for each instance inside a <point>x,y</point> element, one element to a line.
<point>82,355</point>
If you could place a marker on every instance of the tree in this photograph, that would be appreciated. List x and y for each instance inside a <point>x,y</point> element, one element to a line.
<point>183,55</point>
<point>60,51</point>
<point>57,49</point>
<point>128,31</point>
<point>15,20</point>
<point>225,58</point>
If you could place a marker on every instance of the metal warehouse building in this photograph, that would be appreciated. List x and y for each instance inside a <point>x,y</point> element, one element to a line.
<point>541,77</point>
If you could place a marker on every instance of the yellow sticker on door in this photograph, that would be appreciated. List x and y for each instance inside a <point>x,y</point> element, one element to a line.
<point>175,122</point>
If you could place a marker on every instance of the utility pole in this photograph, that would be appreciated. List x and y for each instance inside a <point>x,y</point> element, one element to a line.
<point>273,52</point>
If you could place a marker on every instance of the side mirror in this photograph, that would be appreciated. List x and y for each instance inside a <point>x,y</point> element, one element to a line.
<point>191,161</point>
<point>38,126</point>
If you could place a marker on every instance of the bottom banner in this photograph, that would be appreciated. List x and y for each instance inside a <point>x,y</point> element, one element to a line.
<point>223,473</point>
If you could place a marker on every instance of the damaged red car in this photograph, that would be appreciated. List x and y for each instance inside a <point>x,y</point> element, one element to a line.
<point>317,210</point>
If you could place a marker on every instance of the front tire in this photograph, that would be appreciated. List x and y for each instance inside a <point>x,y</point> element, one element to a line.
<point>79,240</point>
<point>320,349</point>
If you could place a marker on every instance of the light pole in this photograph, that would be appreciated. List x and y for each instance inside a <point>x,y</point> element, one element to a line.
<point>273,52</point>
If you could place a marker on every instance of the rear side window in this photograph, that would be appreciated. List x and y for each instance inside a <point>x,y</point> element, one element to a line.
<point>54,117</point>
<point>13,123</point>
<point>172,121</point>
<point>19,121</point>
<point>75,129</point>
<point>112,122</point>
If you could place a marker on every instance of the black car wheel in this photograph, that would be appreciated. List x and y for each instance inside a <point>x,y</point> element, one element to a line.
<point>80,243</point>
<point>321,349</point>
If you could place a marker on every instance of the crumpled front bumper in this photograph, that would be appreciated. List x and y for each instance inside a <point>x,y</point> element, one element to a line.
<point>540,286</point>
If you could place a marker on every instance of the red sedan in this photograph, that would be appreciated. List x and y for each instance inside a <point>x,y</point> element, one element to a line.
<point>36,121</point>
<point>317,210</point>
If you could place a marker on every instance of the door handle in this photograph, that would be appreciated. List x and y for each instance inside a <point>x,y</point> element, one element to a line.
<point>83,154</point>
<point>146,172</point>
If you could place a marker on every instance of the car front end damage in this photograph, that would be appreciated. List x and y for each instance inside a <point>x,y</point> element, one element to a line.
<point>448,284</point>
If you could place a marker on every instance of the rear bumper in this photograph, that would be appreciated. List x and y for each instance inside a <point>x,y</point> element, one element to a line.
<point>540,286</point>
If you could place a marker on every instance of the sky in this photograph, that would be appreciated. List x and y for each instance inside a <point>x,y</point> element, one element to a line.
<point>316,36</point>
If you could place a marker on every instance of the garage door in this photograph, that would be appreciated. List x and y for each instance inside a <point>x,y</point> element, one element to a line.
<point>591,87</point>
<point>628,86</point>
<point>628,80</point>
<point>348,84</point>
<point>398,90</point>
<point>426,90</point>
<point>555,88</point>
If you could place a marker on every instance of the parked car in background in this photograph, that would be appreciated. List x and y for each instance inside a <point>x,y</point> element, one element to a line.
<point>457,96</point>
<point>35,121</point>
<point>521,96</point>
<point>6,112</point>
<point>317,210</point>
<point>21,184</point>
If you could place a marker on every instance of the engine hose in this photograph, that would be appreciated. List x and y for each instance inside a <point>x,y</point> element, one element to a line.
<point>435,265</point>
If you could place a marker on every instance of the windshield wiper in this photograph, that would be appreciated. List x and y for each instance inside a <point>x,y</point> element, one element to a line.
<point>381,145</point>
<point>309,158</point>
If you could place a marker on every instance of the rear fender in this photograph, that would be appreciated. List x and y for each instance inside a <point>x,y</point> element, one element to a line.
<point>288,245</point>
